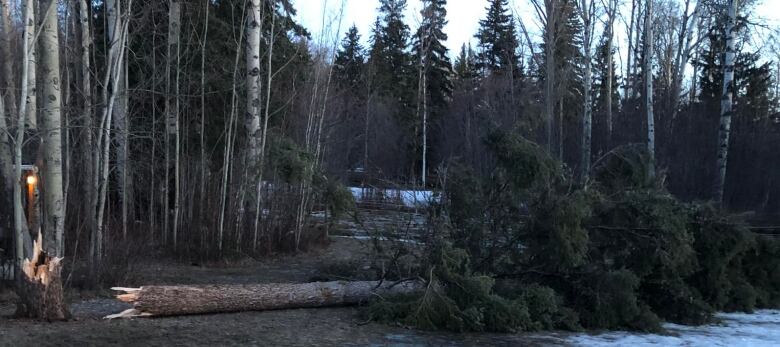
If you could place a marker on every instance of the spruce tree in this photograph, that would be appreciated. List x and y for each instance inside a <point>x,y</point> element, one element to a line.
<point>465,67</point>
<point>431,54</point>
<point>600,83</point>
<point>350,61</point>
<point>498,39</point>
<point>392,61</point>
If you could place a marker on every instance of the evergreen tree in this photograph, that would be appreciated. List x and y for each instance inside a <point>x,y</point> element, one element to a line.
<point>349,63</point>
<point>498,39</point>
<point>431,54</point>
<point>600,83</point>
<point>601,95</point>
<point>392,61</point>
<point>466,64</point>
<point>568,68</point>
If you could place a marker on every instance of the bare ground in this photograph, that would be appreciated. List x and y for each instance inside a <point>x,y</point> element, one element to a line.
<point>343,326</point>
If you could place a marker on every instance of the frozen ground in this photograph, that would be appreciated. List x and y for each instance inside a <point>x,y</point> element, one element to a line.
<point>734,330</point>
<point>341,326</point>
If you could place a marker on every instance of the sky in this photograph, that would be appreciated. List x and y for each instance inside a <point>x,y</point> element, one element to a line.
<point>463,16</point>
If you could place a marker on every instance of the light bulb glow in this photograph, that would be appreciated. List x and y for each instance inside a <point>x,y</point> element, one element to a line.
<point>31,180</point>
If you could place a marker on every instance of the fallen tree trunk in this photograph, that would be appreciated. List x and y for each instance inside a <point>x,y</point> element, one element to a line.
<point>40,288</point>
<point>186,300</point>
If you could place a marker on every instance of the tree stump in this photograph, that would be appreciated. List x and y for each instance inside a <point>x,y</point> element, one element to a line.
<point>185,300</point>
<point>40,287</point>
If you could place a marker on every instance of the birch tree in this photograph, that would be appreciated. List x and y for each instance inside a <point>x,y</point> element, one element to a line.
<point>32,95</point>
<point>648,72</point>
<point>254,29</point>
<point>172,118</point>
<point>6,141</point>
<point>548,14</point>
<point>587,9</point>
<point>21,234</point>
<point>121,124</point>
<point>6,33</point>
<point>102,159</point>
<point>611,16</point>
<point>87,115</point>
<point>724,133</point>
<point>54,201</point>
<point>685,46</point>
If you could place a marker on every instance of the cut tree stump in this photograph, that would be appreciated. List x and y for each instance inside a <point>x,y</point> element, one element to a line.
<point>187,300</point>
<point>40,288</point>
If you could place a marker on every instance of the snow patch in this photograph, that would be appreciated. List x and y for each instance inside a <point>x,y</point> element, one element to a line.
<point>735,329</point>
<point>409,198</point>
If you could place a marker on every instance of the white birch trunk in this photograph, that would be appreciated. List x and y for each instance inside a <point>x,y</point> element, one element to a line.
<point>6,143</point>
<point>724,133</point>
<point>648,70</point>
<point>610,66</point>
<point>114,8</point>
<point>172,116</point>
<point>627,84</point>
<point>6,33</point>
<point>586,11</point>
<point>549,82</point>
<point>104,138</point>
<point>684,47</point>
<point>254,27</point>
<point>54,201</point>
<point>22,237</point>
<point>177,129</point>
<point>86,112</point>
<point>203,163</point>
<point>227,158</point>
<point>253,81</point>
<point>32,96</point>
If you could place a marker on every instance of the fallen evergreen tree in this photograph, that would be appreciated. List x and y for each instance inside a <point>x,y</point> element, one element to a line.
<point>525,248</point>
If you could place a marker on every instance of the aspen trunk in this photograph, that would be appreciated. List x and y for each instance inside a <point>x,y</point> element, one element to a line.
<point>203,163</point>
<point>6,143</point>
<point>54,202</point>
<point>6,171</point>
<point>21,234</point>
<point>631,28</point>
<point>549,82</point>
<point>648,70</point>
<point>586,11</point>
<point>724,133</point>
<point>172,118</point>
<point>610,67</point>
<point>253,81</point>
<point>88,169</point>
<point>228,153</point>
<point>31,100</point>
<point>186,300</point>
<point>114,66</point>
<point>40,289</point>
<point>684,47</point>
<point>121,123</point>
<point>6,33</point>
<point>254,32</point>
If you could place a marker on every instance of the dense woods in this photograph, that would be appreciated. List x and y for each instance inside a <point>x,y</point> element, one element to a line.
<point>588,157</point>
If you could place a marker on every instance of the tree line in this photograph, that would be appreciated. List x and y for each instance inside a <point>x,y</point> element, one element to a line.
<point>218,127</point>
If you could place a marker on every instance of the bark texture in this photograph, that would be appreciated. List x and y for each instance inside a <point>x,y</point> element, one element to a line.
<point>726,101</point>
<point>253,81</point>
<point>648,70</point>
<point>185,300</point>
<point>54,201</point>
<point>586,12</point>
<point>40,290</point>
<point>31,100</point>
